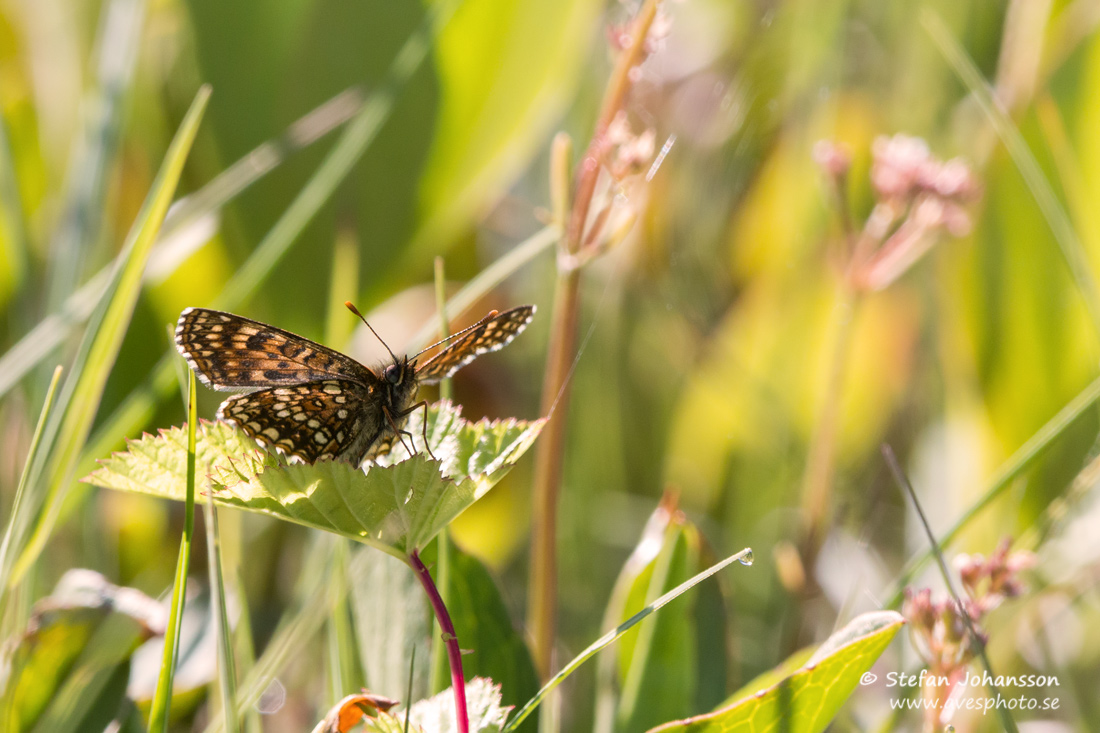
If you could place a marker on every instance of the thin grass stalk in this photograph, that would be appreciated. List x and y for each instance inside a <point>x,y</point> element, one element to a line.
<point>744,557</point>
<point>550,456</point>
<point>227,666</point>
<point>450,640</point>
<point>162,698</point>
<point>976,642</point>
<point>438,661</point>
<point>297,627</point>
<point>500,270</point>
<point>17,507</point>
<point>1019,462</point>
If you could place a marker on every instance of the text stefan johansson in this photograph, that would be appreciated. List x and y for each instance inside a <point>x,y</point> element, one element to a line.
<point>901,679</point>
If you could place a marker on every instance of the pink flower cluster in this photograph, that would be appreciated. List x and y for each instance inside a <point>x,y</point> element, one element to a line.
<point>940,631</point>
<point>917,199</point>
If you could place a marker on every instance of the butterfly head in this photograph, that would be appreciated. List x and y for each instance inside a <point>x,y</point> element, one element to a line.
<point>396,373</point>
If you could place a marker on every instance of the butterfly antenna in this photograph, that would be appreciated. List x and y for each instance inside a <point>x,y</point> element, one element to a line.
<point>351,307</point>
<point>491,315</point>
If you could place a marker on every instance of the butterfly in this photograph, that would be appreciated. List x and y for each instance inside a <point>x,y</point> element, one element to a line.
<point>314,403</point>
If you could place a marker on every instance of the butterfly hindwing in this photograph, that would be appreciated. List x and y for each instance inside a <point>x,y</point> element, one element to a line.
<point>314,403</point>
<point>229,352</point>
<point>332,418</point>
<point>488,335</point>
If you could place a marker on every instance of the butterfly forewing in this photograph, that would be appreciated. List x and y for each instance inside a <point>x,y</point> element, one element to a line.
<point>333,418</point>
<point>489,335</point>
<point>230,352</point>
<point>317,403</point>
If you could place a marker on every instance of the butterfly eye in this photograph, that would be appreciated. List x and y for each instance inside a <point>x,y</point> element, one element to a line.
<point>392,374</point>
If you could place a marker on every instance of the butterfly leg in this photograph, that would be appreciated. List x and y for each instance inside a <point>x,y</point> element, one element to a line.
<point>423,425</point>
<point>398,431</point>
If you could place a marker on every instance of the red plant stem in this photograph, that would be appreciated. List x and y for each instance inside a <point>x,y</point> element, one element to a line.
<point>450,641</point>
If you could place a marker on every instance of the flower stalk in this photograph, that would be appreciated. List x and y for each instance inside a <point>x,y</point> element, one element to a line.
<point>918,201</point>
<point>577,241</point>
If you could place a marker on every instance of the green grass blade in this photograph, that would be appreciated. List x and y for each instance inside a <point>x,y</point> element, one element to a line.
<point>65,435</point>
<point>246,656</point>
<point>81,220</point>
<point>745,556</point>
<point>17,508</point>
<point>53,330</point>
<point>348,150</point>
<point>227,667</point>
<point>488,279</point>
<point>344,665</point>
<point>1017,463</point>
<point>162,700</point>
<point>298,627</point>
<point>1057,219</point>
<point>13,222</point>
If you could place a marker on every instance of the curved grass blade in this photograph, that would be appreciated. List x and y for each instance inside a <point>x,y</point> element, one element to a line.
<point>51,332</point>
<point>745,557</point>
<point>81,219</point>
<point>1060,226</point>
<point>296,629</point>
<point>19,516</point>
<point>487,279</point>
<point>1017,463</point>
<point>66,433</point>
<point>158,712</point>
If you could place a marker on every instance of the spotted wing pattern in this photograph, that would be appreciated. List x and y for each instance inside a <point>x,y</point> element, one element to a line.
<point>332,418</point>
<point>490,334</point>
<point>229,352</point>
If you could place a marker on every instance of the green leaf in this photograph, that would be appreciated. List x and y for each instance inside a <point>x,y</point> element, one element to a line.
<point>64,671</point>
<point>807,700</point>
<point>396,508</point>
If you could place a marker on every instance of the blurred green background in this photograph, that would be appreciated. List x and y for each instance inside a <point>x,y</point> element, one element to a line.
<point>705,335</point>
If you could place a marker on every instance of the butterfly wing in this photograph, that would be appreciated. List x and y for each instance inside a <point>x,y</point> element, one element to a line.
<point>332,418</point>
<point>488,335</point>
<point>229,352</point>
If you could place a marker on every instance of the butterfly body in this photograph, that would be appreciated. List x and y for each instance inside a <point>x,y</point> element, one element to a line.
<point>314,403</point>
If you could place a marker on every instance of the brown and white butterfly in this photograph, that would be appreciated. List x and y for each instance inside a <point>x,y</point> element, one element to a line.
<point>316,403</point>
